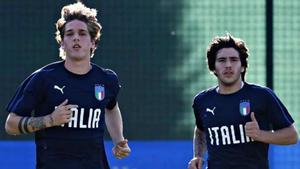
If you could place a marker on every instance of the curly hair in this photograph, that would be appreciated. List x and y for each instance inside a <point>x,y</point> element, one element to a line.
<point>80,12</point>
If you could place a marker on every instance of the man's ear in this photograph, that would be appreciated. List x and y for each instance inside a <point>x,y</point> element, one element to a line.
<point>62,45</point>
<point>93,44</point>
<point>242,69</point>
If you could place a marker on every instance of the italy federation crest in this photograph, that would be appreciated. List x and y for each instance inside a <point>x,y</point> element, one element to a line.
<point>245,107</point>
<point>99,92</point>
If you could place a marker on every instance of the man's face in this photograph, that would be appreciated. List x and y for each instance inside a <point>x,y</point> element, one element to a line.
<point>77,41</point>
<point>228,66</point>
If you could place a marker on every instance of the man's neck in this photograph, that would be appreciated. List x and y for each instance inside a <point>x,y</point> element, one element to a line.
<point>229,89</point>
<point>78,67</point>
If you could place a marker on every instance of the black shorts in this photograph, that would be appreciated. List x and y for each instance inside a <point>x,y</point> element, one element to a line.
<point>53,154</point>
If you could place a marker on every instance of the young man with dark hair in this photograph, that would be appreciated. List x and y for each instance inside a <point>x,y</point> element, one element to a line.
<point>236,121</point>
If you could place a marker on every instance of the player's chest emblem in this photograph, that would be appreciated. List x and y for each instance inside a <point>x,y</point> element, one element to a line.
<point>61,89</point>
<point>99,92</point>
<point>244,107</point>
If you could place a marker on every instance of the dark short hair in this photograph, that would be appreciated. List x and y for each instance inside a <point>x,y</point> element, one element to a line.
<point>227,41</point>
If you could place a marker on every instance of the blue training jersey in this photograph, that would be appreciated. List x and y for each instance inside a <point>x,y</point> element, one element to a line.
<point>223,117</point>
<point>49,86</point>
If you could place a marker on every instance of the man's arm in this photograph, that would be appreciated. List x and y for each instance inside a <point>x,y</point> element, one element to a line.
<point>199,143</point>
<point>114,124</point>
<point>283,136</point>
<point>199,147</point>
<point>16,124</point>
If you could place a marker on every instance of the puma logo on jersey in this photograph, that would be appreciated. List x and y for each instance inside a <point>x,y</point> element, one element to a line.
<point>212,111</point>
<point>60,89</point>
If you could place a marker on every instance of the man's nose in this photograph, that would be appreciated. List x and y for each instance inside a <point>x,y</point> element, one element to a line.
<point>228,63</point>
<point>76,37</point>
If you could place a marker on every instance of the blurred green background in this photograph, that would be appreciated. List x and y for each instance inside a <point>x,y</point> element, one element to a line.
<point>157,48</point>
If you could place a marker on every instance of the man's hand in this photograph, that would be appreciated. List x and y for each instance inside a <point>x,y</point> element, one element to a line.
<point>195,163</point>
<point>62,114</point>
<point>252,128</point>
<point>121,149</point>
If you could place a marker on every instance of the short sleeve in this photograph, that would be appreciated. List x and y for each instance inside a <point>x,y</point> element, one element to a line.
<point>114,88</point>
<point>278,113</point>
<point>27,96</point>
<point>197,112</point>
